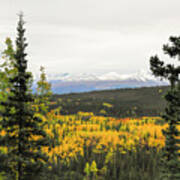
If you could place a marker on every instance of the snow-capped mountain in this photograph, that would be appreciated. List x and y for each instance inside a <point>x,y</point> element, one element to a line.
<point>83,82</point>
<point>111,76</point>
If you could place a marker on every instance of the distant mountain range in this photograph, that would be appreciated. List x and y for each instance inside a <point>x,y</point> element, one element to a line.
<point>83,82</point>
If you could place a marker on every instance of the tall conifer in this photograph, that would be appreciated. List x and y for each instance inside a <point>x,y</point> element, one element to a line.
<point>23,138</point>
<point>171,155</point>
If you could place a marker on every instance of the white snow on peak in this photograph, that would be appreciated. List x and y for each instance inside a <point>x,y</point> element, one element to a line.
<point>141,75</point>
<point>82,77</point>
<point>58,76</point>
<point>110,76</point>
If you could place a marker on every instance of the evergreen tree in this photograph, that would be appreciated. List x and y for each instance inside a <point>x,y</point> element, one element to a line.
<point>23,137</point>
<point>171,156</point>
<point>43,93</point>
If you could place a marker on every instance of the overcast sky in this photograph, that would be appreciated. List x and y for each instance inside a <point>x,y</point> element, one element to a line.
<point>98,36</point>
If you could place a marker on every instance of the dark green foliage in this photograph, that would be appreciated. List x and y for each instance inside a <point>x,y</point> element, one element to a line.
<point>24,157</point>
<point>171,157</point>
<point>139,165</point>
<point>138,102</point>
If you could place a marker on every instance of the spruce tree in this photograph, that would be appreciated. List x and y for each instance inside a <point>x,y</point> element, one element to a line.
<point>23,137</point>
<point>170,164</point>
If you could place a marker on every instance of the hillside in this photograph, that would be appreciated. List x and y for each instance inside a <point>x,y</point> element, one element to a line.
<point>146,101</point>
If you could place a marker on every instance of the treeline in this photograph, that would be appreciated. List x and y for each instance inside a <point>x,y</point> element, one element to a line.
<point>140,165</point>
<point>146,101</point>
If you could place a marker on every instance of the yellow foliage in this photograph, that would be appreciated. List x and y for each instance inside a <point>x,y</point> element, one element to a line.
<point>73,134</point>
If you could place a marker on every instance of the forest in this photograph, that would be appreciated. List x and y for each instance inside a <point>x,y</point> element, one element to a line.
<point>128,134</point>
<point>134,102</point>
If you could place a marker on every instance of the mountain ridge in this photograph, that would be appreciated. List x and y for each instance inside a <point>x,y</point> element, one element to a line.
<point>141,75</point>
<point>63,83</point>
<point>83,82</point>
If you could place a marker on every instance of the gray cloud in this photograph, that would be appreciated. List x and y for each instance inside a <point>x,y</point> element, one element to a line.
<point>92,35</point>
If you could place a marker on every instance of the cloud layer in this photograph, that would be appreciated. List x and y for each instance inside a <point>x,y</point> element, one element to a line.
<point>90,35</point>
